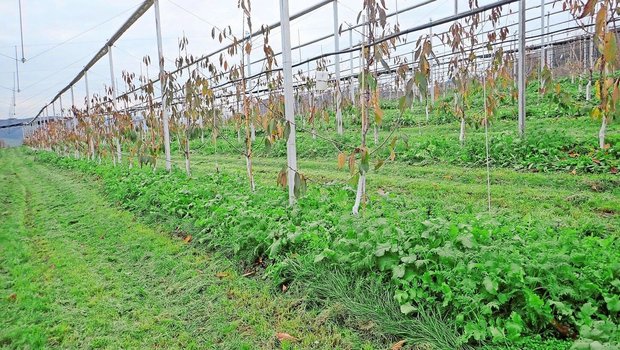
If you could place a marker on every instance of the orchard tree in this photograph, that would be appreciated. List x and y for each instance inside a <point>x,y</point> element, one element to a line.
<point>604,14</point>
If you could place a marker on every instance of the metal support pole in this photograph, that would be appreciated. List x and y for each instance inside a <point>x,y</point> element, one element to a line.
<point>60,101</point>
<point>351,88</point>
<point>119,153</point>
<point>456,7</point>
<point>337,67</point>
<point>521,82</point>
<point>431,80</point>
<point>547,52</point>
<point>112,81</point>
<point>291,147</point>
<point>249,72</point>
<point>162,80</point>
<point>17,69</point>
<point>542,37</point>
<point>21,30</point>
<point>87,94</point>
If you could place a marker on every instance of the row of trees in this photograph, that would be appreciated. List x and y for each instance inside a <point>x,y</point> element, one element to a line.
<point>220,93</point>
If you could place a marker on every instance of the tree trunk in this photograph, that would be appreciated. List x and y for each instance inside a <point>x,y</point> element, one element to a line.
<point>601,133</point>
<point>462,133</point>
<point>119,153</point>
<point>91,147</point>
<point>361,190</point>
<point>187,162</point>
<point>248,164</point>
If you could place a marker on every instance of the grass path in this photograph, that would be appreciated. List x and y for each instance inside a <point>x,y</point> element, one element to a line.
<point>78,273</point>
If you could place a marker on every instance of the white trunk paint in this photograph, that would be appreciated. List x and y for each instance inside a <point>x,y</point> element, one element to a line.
<point>361,190</point>
<point>287,69</point>
<point>248,166</point>
<point>601,133</point>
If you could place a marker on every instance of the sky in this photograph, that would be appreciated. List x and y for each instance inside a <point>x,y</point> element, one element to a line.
<point>61,36</point>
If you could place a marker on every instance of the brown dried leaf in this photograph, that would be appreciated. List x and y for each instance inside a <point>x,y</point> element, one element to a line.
<point>399,345</point>
<point>286,336</point>
<point>342,158</point>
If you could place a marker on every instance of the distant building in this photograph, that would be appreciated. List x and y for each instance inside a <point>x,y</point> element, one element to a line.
<point>11,131</point>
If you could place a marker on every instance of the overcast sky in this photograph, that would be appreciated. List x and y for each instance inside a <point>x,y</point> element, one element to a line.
<point>61,36</point>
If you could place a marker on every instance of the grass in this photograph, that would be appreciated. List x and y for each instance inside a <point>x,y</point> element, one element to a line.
<point>590,201</point>
<point>212,202</point>
<point>538,205</point>
<point>79,273</point>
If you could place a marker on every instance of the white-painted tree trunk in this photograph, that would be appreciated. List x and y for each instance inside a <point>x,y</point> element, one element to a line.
<point>248,165</point>
<point>601,133</point>
<point>187,167</point>
<point>119,152</point>
<point>361,190</point>
<point>376,135</point>
<point>91,146</point>
<point>361,183</point>
<point>462,133</point>
<point>187,161</point>
<point>589,91</point>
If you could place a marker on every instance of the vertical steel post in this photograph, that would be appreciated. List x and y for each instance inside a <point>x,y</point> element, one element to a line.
<point>351,88</point>
<point>431,80</point>
<point>337,68</point>
<point>249,74</point>
<point>542,37</point>
<point>119,153</point>
<point>112,81</point>
<point>162,78</point>
<point>17,69</point>
<point>521,82</point>
<point>87,94</point>
<point>291,147</point>
<point>548,40</point>
<point>21,29</point>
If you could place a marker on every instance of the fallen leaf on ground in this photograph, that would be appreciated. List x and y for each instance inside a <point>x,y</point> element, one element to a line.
<point>399,345</point>
<point>188,238</point>
<point>285,336</point>
<point>221,274</point>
